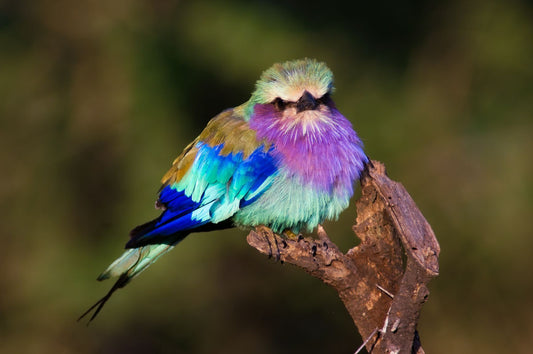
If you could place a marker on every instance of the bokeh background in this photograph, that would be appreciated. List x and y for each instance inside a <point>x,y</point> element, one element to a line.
<point>98,97</point>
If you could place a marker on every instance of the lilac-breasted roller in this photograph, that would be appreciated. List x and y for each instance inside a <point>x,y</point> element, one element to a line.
<point>287,159</point>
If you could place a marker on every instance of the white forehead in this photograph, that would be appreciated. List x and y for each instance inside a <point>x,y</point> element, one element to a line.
<point>293,93</point>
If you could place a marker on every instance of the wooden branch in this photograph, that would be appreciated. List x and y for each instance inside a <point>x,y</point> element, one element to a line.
<point>382,281</point>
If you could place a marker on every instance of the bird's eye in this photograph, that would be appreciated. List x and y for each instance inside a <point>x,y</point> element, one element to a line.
<point>324,99</point>
<point>279,104</point>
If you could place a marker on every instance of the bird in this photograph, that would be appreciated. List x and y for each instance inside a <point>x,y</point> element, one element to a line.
<point>286,158</point>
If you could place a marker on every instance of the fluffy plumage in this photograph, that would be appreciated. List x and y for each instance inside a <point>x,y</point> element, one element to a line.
<point>287,159</point>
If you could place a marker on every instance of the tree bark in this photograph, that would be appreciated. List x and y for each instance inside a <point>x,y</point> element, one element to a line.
<point>382,281</point>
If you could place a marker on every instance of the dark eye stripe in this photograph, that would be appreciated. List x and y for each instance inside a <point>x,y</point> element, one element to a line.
<point>324,99</point>
<point>279,104</point>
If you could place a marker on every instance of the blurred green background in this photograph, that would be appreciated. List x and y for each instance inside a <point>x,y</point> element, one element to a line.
<point>98,97</point>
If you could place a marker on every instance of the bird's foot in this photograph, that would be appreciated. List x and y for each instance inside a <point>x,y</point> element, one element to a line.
<point>290,234</point>
<point>273,244</point>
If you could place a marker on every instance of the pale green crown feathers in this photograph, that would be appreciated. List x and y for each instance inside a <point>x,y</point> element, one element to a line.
<point>288,80</point>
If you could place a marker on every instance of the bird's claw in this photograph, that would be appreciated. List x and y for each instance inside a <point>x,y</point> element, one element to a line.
<point>273,246</point>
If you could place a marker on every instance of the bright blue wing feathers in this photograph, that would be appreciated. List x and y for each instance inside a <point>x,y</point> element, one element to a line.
<point>214,188</point>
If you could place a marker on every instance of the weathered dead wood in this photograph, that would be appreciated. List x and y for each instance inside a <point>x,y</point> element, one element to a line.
<point>382,281</point>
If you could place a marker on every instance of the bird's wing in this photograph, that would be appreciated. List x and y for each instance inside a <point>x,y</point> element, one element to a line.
<point>223,170</point>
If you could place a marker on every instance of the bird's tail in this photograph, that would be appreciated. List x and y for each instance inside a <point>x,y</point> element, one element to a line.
<point>130,264</point>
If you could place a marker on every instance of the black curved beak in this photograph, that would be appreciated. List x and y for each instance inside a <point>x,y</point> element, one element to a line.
<point>306,102</point>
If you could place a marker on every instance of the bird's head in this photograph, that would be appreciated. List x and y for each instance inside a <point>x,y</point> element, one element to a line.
<point>298,89</point>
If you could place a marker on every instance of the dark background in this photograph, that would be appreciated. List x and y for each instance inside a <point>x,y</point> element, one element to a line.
<point>98,97</point>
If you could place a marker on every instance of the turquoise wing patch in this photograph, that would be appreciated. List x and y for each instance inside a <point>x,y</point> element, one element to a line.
<point>222,184</point>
